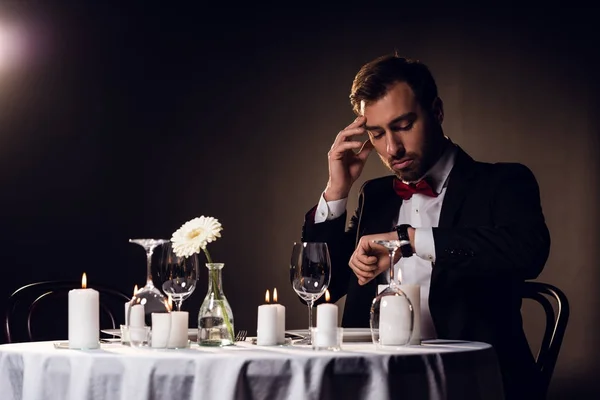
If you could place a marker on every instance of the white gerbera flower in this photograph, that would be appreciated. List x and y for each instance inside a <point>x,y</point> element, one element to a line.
<point>195,234</point>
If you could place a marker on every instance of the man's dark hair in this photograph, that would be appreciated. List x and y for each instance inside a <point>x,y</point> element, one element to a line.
<point>375,78</point>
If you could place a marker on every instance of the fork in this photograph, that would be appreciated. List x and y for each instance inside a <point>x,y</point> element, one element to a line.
<point>241,336</point>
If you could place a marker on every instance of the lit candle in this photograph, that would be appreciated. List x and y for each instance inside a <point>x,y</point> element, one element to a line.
<point>178,337</point>
<point>137,315</point>
<point>135,289</point>
<point>327,317</point>
<point>394,319</point>
<point>266,327</point>
<point>280,319</point>
<point>84,317</point>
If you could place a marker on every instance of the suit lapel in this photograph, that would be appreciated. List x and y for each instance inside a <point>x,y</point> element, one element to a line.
<point>381,209</point>
<point>458,184</point>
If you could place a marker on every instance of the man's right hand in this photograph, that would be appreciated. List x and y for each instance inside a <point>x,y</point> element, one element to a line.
<point>346,165</point>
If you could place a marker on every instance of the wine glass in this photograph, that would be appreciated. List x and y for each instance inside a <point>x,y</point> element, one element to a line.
<point>178,274</point>
<point>310,273</point>
<point>392,313</point>
<point>148,299</point>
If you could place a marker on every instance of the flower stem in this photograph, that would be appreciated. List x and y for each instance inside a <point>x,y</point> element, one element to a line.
<point>213,282</point>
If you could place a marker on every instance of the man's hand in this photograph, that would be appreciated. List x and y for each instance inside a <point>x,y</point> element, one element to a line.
<point>370,259</point>
<point>346,165</point>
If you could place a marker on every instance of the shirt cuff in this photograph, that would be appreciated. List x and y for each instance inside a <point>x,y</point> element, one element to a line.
<point>424,244</point>
<point>328,210</point>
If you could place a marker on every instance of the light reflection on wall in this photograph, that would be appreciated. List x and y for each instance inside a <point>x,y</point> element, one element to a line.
<point>11,46</point>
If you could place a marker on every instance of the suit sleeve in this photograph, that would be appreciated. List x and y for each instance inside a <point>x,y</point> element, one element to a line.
<point>341,240</point>
<point>516,245</point>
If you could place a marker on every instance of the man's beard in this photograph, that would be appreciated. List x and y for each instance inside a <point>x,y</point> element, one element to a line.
<point>410,174</point>
<point>420,164</point>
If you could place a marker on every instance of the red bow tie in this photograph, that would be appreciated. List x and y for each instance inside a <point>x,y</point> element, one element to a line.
<point>406,190</point>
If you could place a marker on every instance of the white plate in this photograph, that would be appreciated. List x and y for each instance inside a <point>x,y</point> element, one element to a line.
<point>192,333</point>
<point>350,334</point>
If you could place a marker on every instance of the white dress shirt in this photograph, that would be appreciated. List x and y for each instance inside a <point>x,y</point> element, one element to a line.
<point>422,212</point>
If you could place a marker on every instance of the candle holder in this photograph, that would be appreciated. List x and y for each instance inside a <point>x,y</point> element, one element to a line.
<point>139,336</point>
<point>327,339</point>
<point>125,335</point>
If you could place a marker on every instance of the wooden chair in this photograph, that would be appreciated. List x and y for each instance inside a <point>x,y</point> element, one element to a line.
<point>47,302</point>
<point>556,325</point>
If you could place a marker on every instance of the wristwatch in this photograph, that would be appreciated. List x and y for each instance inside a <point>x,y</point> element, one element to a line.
<point>405,247</point>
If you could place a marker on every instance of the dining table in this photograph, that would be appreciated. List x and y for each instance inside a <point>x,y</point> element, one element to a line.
<point>435,369</point>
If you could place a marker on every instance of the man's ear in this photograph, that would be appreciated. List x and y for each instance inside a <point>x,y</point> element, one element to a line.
<point>437,109</point>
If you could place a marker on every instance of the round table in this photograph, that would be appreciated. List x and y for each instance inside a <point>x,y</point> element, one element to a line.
<point>435,370</point>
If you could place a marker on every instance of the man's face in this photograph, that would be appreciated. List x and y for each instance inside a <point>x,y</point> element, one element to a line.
<point>402,133</point>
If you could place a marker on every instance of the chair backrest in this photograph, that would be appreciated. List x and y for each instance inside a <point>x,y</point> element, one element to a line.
<point>556,325</point>
<point>47,302</point>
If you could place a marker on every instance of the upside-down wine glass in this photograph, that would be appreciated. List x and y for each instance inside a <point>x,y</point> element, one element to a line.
<point>392,314</point>
<point>310,273</point>
<point>148,299</point>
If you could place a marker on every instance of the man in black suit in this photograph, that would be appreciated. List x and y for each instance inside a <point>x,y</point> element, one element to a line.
<point>472,232</point>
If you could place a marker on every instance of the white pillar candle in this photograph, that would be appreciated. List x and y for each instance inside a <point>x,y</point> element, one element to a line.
<point>327,316</point>
<point>178,338</point>
<point>266,327</point>
<point>267,323</point>
<point>137,316</point>
<point>394,321</point>
<point>161,328</point>
<point>84,317</point>
<point>327,321</point>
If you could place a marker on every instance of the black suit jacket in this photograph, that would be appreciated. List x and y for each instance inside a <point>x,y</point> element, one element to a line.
<point>491,237</point>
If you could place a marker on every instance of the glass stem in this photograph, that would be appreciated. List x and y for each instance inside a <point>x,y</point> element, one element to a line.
<point>310,320</point>
<point>392,275</point>
<point>149,282</point>
<point>179,302</point>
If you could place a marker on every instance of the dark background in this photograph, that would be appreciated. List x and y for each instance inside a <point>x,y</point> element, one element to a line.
<point>120,122</point>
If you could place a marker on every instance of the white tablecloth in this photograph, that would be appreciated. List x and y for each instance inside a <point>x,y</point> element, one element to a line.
<point>437,370</point>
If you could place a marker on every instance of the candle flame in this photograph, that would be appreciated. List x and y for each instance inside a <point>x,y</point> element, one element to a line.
<point>135,290</point>
<point>275,295</point>
<point>267,297</point>
<point>84,281</point>
<point>327,296</point>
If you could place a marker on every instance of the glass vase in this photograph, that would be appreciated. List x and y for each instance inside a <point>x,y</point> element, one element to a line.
<point>215,319</point>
